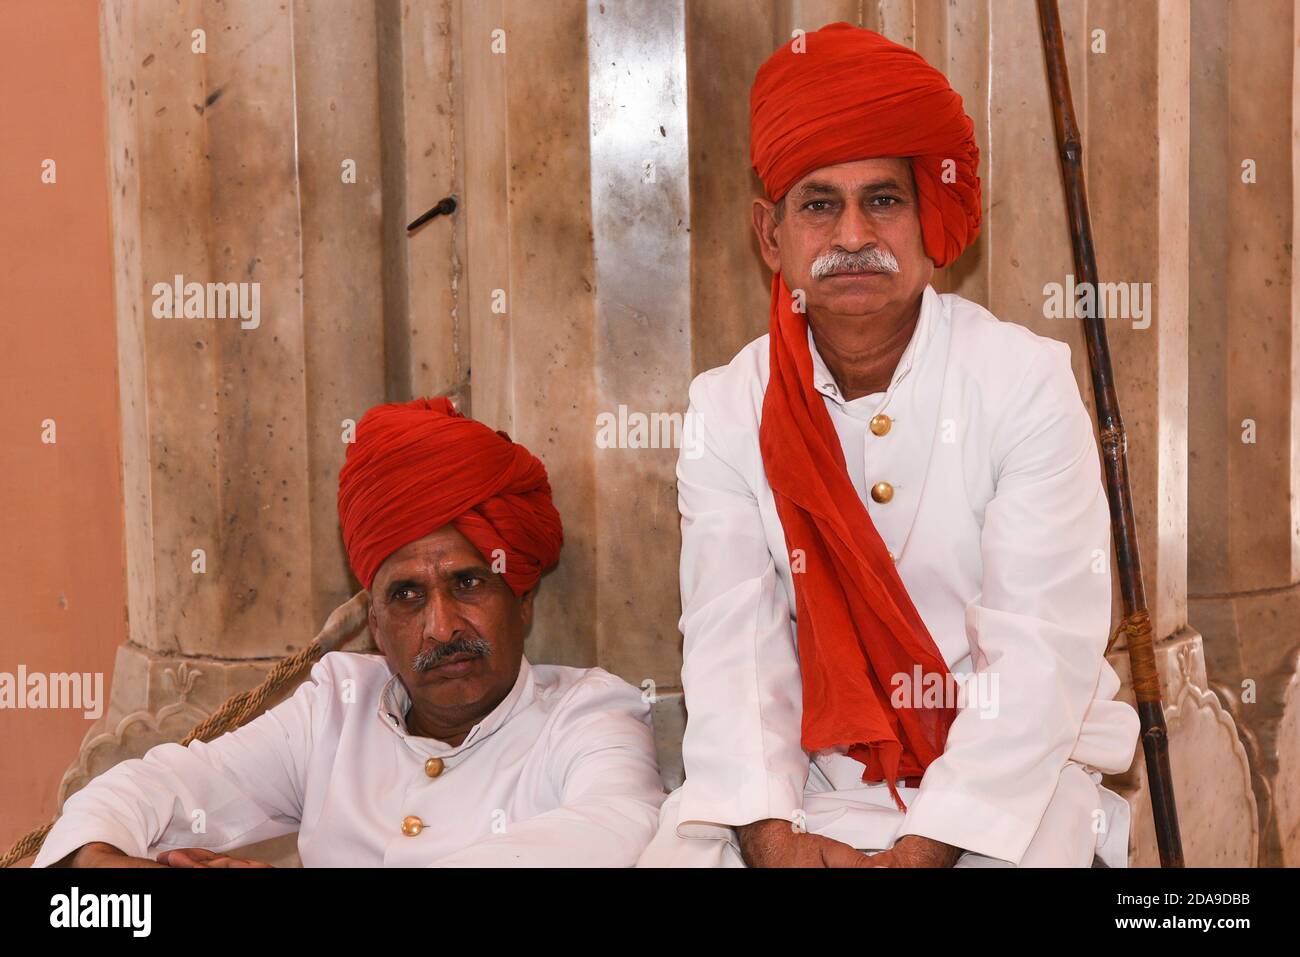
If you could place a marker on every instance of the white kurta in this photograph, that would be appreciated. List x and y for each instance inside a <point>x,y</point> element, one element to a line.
<point>1000,528</point>
<point>562,772</point>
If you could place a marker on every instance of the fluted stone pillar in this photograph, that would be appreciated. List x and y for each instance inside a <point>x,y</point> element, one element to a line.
<point>1244,516</point>
<point>244,144</point>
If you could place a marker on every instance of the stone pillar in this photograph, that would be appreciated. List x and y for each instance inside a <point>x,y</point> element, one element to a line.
<point>1244,515</point>
<point>527,297</point>
<point>235,130</point>
<point>636,56</point>
<point>426,337</point>
<point>1140,59</point>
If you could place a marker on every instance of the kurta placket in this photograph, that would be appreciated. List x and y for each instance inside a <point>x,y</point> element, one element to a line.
<point>425,794</point>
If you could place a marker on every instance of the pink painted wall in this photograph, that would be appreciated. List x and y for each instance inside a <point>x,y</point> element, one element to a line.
<point>62,587</point>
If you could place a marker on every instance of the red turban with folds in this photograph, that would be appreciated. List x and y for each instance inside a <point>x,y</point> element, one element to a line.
<point>417,466</point>
<point>853,95</point>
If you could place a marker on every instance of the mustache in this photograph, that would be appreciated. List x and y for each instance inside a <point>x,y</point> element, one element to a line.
<point>438,654</point>
<point>871,259</point>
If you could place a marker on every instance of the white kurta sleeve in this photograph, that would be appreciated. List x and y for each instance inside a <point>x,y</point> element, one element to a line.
<point>740,669</point>
<point>1039,627</point>
<point>242,787</point>
<point>601,762</point>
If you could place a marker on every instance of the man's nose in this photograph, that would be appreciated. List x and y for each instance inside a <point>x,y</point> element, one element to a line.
<point>442,618</point>
<point>854,229</point>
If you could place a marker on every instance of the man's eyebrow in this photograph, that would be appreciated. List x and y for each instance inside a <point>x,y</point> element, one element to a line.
<point>888,182</point>
<point>815,188</point>
<point>471,568</point>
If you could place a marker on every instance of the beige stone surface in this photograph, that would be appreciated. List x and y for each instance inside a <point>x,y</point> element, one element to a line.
<point>233,434</point>
<point>426,342</point>
<point>340,266</point>
<point>1242,514</point>
<point>1252,647</point>
<point>1211,772</point>
<point>1282,831</point>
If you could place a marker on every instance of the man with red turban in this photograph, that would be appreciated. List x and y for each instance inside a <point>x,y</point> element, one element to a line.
<point>449,750</point>
<point>895,578</point>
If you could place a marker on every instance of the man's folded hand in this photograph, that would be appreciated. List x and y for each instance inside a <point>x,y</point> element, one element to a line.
<point>912,850</point>
<point>776,843</point>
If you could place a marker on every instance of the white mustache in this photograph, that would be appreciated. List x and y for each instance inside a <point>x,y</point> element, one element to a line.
<point>871,259</point>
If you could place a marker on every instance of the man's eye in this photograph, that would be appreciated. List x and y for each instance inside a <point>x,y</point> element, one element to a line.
<point>820,205</point>
<point>403,594</point>
<point>885,200</point>
<point>470,581</point>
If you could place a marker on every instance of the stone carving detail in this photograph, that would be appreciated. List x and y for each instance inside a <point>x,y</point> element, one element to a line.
<point>1213,778</point>
<point>1286,745</point>
<point>135,733</point>
<point>1189,668</point>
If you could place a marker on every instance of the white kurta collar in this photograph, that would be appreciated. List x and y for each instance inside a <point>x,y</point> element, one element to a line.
<point>824,382</point>
<point>395,702</point>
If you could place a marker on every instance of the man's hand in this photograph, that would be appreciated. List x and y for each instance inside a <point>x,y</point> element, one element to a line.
<point>775,843</point>
<point>912,850</point>
<point>202,857</point>
<point>99,854</point>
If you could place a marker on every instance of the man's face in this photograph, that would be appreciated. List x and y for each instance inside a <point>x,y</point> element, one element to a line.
<point>450,627</point>
<point>868,208</point>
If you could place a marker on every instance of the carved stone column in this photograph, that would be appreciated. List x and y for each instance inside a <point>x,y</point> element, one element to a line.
<point>244,140</point>
<point>1244,559</point>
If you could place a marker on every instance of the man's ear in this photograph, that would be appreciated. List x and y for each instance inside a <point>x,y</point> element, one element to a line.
<point>764,218</point>
<point>526,607</point>
<point>373,622</point>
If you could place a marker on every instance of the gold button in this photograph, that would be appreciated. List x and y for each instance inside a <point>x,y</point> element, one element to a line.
<point>433,767</point>
<point>882,492</point>
<point>893,557</point>
<point>412,826</point>
<point>880,424</point>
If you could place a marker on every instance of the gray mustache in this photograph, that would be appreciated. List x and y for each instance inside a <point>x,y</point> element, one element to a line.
<point>438,654</point>
<point>871,259</point>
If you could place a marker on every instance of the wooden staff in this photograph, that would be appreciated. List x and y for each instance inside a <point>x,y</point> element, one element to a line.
<point>1136,623</point>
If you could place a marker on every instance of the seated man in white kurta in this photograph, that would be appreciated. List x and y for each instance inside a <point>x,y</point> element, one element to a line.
<point>451,749</point>
<point>893,486</point>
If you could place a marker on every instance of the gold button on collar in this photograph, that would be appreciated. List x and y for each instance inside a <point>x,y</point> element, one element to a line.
<point>880,424</point>
<point>411,826</point>
<point>433,767</point>
<point>882,492</point>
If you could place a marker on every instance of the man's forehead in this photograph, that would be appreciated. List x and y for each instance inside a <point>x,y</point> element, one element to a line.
<point>439,552</point>
<point>856,175</point>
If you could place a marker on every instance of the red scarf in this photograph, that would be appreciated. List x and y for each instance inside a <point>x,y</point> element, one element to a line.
<point>857,626</point>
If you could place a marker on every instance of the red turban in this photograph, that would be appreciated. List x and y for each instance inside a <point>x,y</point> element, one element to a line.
<point>417,466</point>
<point>854,95</point>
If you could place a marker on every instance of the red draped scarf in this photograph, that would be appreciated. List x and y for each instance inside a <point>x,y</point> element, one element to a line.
<point>850,94</point>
